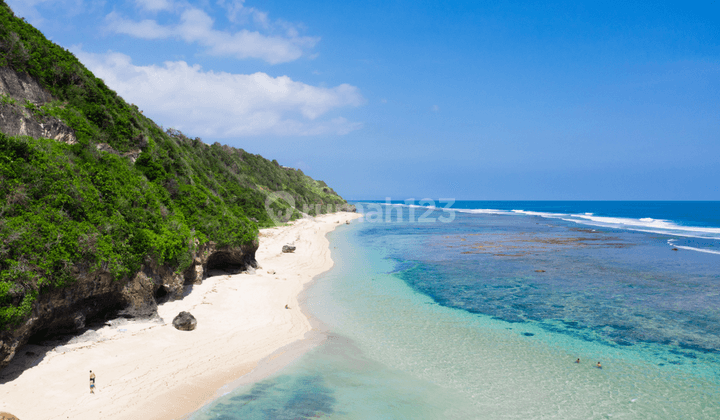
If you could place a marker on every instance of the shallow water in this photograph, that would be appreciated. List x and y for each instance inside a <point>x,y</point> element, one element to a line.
<point>452,320</point>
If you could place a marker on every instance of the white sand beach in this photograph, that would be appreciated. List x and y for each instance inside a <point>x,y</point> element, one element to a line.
<point>150,370</point>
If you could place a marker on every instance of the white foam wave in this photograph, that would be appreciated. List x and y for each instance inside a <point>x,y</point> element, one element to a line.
<point>671,242</point>
<point>656,231</point>
<point>690,248</point>
<point>482,211</point>
<point>540,213</point>
<point>647,224</point>
<point>644,224</point>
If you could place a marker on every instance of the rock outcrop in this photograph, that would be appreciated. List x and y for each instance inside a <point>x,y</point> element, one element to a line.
<point>20,91</point>
<point>96,295</point>
<point>184,321</point>
<point>288,248</point>
<point>132,154</point>
<point>22,86</point>
<point>347,207</point>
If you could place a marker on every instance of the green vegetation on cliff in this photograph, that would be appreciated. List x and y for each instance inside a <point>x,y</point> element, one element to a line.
<point>65,208</point>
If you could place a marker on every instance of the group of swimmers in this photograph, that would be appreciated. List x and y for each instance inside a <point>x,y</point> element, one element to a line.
<point>599,366</point>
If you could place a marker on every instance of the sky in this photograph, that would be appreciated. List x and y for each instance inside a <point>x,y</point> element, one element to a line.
<point>469,100</point>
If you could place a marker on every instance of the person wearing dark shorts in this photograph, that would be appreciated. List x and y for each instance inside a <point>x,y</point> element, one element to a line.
<point>92,382</point>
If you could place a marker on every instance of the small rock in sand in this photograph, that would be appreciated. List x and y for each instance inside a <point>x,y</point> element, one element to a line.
<point>184,321</point>
<point>271,272</point>
<point>288,248</point>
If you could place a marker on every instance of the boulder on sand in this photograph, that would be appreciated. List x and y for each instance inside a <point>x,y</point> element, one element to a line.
<point>184,321</point>
<point>288,248</point>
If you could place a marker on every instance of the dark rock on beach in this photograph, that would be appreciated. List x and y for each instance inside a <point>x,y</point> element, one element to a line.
<point>184,321</point>
<point>288,248</point>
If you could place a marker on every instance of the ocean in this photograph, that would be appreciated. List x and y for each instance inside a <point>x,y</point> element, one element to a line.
<point>481,310</point>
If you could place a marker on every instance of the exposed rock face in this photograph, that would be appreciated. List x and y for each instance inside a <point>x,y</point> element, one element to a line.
<point>7,416</point>
<point>17,120</point>
<point>22,87</point>
<point>347,207</point>
<point>288,248</point>
<point>65,310</point>
<point>232,260</point>
<point>132,154</point>
<point>96,295</point>
<point>184,321</point>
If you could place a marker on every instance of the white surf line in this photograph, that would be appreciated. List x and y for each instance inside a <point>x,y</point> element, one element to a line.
<point>689,248</point>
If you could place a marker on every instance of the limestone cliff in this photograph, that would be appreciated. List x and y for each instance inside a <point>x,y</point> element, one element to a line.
<point>96,296</point>
<point>21,94</point>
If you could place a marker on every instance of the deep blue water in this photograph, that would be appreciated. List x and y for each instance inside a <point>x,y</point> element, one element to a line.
<point>480,312</point>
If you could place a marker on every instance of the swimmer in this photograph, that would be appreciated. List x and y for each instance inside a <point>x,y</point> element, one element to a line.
<point>599,366</point>
<point>577,361</point>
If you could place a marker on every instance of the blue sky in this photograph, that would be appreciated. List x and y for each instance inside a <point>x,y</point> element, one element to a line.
<point>466,100</point>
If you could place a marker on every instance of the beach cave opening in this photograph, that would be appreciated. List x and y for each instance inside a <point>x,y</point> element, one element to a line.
<point>230,262</point>
<point>161,294</point>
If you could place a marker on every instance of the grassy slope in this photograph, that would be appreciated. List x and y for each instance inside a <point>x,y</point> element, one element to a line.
<point>64,206</point>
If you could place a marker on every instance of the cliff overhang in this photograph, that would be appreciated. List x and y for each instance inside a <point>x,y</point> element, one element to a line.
<point>96,296</point>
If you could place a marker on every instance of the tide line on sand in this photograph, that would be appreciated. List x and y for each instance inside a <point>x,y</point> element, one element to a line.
<point>150,370</point>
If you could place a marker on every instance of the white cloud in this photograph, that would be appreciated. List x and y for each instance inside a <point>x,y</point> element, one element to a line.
<point>145,29</point>
<point>196,26</point>
<point>155,5</point>
<point>238,13</point>
<point>219,104</point>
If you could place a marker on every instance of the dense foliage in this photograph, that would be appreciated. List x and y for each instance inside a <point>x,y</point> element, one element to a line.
<point>66,208</point>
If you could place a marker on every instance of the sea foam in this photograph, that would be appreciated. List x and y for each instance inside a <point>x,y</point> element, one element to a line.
<point>642,224</point>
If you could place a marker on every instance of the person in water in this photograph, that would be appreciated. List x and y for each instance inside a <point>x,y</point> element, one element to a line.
<point>599,366</point>
<point>577,361</point>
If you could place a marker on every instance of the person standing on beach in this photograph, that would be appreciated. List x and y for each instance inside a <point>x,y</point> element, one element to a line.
<point>92,382</point>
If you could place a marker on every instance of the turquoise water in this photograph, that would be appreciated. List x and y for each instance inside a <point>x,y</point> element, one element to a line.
<point>483,317</point>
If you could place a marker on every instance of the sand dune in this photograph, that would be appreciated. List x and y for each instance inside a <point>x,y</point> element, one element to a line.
<point>150,370</point>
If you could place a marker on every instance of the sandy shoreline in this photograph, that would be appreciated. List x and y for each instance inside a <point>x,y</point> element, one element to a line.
<point>150,370</point>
